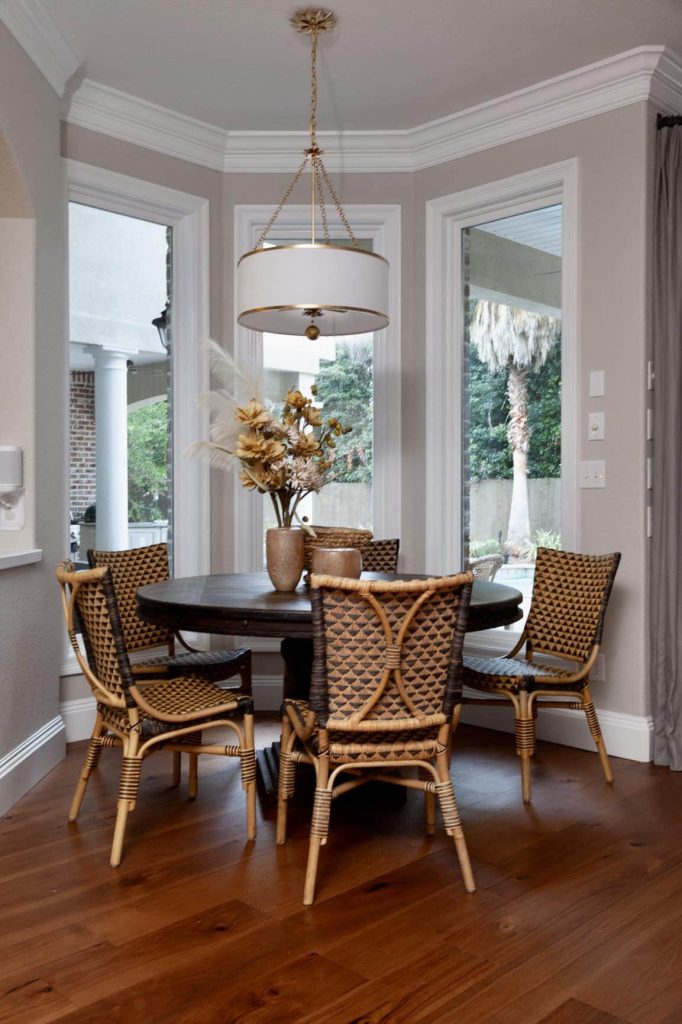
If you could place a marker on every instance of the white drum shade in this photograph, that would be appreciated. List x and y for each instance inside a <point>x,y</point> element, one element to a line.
<point>276,285</point>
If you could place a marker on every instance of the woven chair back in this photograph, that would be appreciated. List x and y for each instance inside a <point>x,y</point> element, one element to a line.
<point>380,555</point>
<point>570,595</point>
<point>486,567</point>
<point>131,570</point>
<point>387,652</point>
<point>332,537</point>
<point>90,609</point>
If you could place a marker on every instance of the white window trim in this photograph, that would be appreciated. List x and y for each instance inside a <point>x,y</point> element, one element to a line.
<point>188,217</point>
<point>446,218</point>
<point>381,224</point>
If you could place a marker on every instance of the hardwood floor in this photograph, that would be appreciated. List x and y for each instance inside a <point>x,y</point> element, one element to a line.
<point>577,918</point>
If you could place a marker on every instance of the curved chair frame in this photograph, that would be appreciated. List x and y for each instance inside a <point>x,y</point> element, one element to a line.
<point>144,715</point>
<point>566,621</point>
<point>391,709</point>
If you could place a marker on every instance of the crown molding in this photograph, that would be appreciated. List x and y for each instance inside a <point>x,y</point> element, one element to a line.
<point>38,35</point>
<point>648,73</point>
<point>131,119</point>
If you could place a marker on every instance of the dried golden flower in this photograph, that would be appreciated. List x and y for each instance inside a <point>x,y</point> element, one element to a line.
<point>305,444</point>
<point>295,399</point>
<point>255,447</point>
<point>253,414</point>
<point>312,416</point>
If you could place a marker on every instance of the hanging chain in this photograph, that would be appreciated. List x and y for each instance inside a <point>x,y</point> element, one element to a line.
<point>282,203</point>
<point>319,175</point>
<point>337,203</point>
<point>313,91</point>
<point>318,165</point>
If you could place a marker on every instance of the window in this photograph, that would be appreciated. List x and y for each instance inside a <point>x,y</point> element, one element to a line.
<point>511,394</point>
<point>358,380</point>
<point>187,217</point>
<point>120,376</point>
<point>501,258</point>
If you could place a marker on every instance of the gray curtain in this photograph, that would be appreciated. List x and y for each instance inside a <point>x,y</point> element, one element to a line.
<point>666,563</point>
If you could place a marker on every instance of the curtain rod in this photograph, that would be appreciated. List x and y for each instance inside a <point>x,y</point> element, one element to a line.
<point>668,120</point>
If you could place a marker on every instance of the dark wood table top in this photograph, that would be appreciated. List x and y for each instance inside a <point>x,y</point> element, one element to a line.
<point>245,604</point>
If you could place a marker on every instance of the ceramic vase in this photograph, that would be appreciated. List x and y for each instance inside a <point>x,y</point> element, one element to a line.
<point>284,556</point>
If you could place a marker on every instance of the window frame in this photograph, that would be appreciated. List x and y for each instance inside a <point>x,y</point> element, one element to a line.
<point>446,218</point>
<point>188,216</point>
<point>381,224</point>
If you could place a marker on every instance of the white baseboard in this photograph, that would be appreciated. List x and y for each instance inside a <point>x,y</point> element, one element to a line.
<point>79,718</point>
<point>28,762</point>
<point>628,736</point>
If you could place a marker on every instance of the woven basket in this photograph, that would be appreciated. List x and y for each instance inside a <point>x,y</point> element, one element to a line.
<point>332,537</point>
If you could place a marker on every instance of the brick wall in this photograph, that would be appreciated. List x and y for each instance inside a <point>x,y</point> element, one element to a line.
<point>82,473</point>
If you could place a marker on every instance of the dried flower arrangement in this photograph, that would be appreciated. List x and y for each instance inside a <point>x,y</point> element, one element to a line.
<point>287,456</point>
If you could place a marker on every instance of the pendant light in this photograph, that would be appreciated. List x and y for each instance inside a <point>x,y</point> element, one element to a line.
<point>316,288</point>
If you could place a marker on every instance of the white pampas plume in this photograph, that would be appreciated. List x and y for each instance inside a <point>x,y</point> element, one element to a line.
<point>236,387</point>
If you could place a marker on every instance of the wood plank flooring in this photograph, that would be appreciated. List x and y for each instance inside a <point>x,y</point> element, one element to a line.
<point>577,918</point>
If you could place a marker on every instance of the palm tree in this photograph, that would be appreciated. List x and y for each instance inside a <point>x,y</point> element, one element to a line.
<point>516,341</point>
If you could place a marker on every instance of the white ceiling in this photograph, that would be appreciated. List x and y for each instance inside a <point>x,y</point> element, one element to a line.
<point>390,64</point>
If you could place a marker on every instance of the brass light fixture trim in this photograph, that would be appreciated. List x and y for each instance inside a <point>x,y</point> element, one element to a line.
<point>309,20</point>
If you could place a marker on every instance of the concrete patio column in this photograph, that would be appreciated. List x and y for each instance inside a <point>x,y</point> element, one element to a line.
<point>111,428</point>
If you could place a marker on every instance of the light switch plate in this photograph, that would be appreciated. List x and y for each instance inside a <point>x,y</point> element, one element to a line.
<point>593,474</point>
<point>595,426</point>
<point>596,383</point>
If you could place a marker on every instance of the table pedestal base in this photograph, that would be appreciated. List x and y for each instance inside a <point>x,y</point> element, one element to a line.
<point>267,777</point>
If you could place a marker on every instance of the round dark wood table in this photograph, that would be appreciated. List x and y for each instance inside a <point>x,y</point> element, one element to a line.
<point>245,604</point>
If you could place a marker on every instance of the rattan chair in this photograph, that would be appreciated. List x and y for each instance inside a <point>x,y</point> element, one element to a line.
<point>380,555</point>
<point>486,567</point>
<point>565,621</point>
<point>144,715</point>
<point>135,568</point>
<point>385,694</point>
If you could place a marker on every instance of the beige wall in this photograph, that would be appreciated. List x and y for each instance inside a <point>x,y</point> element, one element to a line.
<point>614,192</point>
<point>17,286</point>
<point>31,631</point>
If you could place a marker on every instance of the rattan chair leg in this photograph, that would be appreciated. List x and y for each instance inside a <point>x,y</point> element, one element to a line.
<point>430,813</point>
<point>525,740</point>
<point>131,766</point>
<point>453,825</point>
<point>193,780</point>
<point>593,723</point>
<point>429,802</point>
<point>89,764</point>
<point>464,862</point>
<point>248,768</point>
<point>177,767</point>
<point>319,828</point>
<point>287,778</point>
